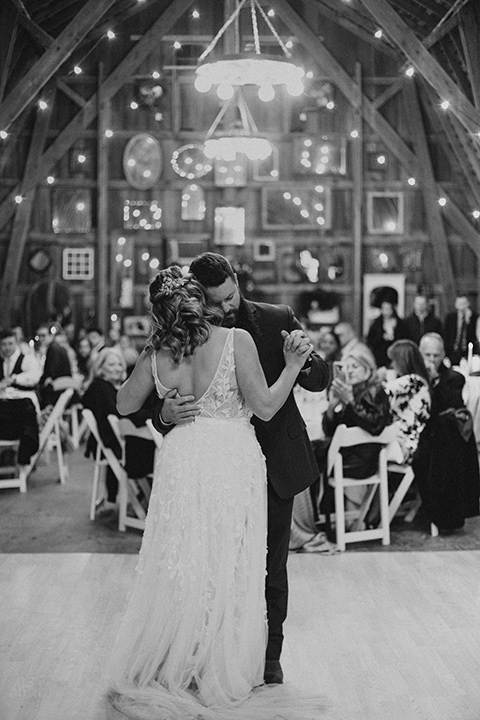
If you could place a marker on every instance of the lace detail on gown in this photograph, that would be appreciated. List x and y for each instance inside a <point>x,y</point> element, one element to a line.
<point>192,642</point>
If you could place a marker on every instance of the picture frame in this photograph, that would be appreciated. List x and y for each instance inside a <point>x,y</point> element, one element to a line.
<point>385,212</point>
<point>264,250</point>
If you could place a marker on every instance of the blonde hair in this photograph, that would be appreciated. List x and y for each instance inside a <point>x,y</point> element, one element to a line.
<point>101,359</point>
<point>363,355</point>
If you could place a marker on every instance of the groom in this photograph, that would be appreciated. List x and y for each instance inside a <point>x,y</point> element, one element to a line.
<point>291,465</point>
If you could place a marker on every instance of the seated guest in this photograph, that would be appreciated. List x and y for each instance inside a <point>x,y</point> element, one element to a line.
<point>56,364</point>
<point>18,371</point>
<point>357,400</point>
<point>446,464</point>
<point>84,362</point>
<point>109,372</point>
<point>422,319</point>
<point>409,397</point>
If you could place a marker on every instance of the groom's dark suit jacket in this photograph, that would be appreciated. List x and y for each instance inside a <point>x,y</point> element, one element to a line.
<point>291,465</point>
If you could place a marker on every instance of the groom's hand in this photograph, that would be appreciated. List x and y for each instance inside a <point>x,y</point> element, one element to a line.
<point>177,409</point>
<point>297,341</point>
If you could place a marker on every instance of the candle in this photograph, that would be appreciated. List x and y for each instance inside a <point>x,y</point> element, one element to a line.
<point>469,358</point>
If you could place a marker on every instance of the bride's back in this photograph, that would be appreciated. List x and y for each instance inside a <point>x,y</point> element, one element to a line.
<point>193,374</point>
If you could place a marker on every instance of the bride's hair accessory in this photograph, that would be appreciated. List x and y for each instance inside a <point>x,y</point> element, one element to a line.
<point>166,283</point>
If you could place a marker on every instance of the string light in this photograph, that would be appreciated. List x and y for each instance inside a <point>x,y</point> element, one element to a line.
<point>271,13</point>
<point>195,14</point>
<point>409,71</point>
<point>42,105</point>
<point>379,34</point>
<point>177,45</point>
<point>411,181</point>
<point>110,34</point>
<point>442,201</point>
<point>134,105</point>
<point>18,199</point>
<point>108,133</point>
<point>77,70</point>
<point>155,75</point>
<point>445,105</point>
<point>3,134</point>
<point>50,179</point>
<point>476,214</point>
<point>354,134</point>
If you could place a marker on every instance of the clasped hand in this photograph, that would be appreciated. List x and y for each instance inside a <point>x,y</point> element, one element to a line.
<point>297,347</point>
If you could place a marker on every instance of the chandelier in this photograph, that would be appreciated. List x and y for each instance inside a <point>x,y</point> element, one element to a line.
<point>242,137</point>
<point>264,70</point>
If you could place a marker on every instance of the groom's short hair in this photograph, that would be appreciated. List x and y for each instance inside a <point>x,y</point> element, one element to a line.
<point>211,269</point>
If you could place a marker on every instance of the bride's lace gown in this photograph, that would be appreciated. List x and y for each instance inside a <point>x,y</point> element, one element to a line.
<point>192,642</point>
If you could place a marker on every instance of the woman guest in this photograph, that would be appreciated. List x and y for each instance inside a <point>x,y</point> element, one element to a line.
<point>109,372</point>
<point>385,330</point>
<point>409,396</point>
<point>356,399</point>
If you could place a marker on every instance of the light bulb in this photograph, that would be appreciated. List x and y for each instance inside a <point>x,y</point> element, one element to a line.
<point>295,88</point>
<point>266,92</point>
<point>202,84</point>
<point>225,91</point>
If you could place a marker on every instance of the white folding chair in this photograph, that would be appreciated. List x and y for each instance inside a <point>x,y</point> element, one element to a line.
<point>347,437</point>
<point>50,437</point>
<point>408,477</point>
<point>123,428</point>
<point>19,472</point>
<point>105,456</point>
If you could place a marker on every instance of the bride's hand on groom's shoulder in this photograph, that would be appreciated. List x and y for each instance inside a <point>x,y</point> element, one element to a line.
<point>178,410</point>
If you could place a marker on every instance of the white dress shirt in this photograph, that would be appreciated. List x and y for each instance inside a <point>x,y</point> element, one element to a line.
<point>30,373</point>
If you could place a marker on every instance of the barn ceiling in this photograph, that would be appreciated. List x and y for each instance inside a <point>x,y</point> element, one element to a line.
<point>41,41</point>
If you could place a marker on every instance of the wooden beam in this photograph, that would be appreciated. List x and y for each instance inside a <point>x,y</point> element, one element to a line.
<point>358,204</point>
<point>21,223</point>
<point>70,93</point>
<point>101,270</point>
<point>436,229</point>
<point>469,32</point>
<point>52,59</point>
<point>423,61</point>
<point>43,39</point>
<point>8,25</point>
<point>110,87</point>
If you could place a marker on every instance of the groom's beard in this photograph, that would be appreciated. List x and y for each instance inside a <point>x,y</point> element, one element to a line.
<point>230,319</point>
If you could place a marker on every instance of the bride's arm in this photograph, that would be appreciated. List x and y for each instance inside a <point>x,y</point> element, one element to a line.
<point>264,401</point>
<point>137,387</point>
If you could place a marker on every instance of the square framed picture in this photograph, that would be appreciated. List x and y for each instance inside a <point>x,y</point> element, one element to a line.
<point>385,213</point>
<point>264,250</point>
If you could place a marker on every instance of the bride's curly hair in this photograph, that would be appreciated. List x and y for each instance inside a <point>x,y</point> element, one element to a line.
<point>181,314</point>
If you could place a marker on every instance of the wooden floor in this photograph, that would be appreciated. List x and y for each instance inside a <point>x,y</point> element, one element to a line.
<point>383,636</point>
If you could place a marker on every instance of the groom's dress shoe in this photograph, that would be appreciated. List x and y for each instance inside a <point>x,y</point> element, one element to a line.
<point>273,673</point>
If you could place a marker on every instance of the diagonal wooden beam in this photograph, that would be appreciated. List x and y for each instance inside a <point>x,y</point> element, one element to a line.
<point>23,213</point>
<point>436,229</point>
<point>469,32</point>
<point>424,62</point>
<point>8,24</point>
<point>110,87</point>
<point>51,60</point>
<point>34,30</point>
<point>70,93</point>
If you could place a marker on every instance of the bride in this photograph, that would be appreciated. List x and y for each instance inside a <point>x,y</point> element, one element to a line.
<point>192,642</point>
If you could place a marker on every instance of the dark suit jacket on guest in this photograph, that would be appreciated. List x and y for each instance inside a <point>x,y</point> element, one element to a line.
<point>446,463</point>
<point>291,465</point>
<point>416,328</point>
<point>379,345</point>
<point>450,335</point>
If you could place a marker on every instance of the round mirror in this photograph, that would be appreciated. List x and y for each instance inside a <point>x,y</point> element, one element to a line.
<point>142,161</point>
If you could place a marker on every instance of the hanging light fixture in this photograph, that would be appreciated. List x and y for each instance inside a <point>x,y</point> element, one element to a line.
<point>238,138</point>
<point>264,70</point>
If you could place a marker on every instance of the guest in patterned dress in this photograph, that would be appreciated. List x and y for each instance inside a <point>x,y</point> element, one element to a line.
<point>409,397</point>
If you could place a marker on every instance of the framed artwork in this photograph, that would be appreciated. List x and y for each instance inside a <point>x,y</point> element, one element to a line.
<point>324,155</point>
<point>296,207</point>
<point>182,250</point>
<point>231,173</point>
<point>78,263</point>
<point>193,202</point>
<point>189,161</point>
<point>142,161</point>
<point>264,250</point>
<point>72,210</point>
<point>142,214</point>
<point>229,228</point>
<point>385,213</point>
<point>268,169</point>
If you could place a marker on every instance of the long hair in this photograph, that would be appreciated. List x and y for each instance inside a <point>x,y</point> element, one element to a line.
<point>181,315</point>
<point>408,358</point>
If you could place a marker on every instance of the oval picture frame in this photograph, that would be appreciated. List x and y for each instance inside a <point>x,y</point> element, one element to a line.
<point>142,161</point>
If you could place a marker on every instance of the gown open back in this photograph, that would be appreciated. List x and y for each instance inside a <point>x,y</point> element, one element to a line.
<point>192,642</point>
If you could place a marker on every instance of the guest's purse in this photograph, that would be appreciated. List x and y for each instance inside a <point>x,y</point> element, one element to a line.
<point>463,420</point>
